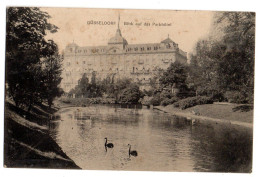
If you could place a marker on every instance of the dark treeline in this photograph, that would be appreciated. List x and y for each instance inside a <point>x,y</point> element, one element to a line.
<point>222,66</point>
<point>122,90</point>
<point>33,65</point>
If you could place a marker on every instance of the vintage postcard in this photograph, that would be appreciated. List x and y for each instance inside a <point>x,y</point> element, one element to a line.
<point>138,90</point>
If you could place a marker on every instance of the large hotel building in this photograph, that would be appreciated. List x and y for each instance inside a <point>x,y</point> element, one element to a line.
<point>119,59</point>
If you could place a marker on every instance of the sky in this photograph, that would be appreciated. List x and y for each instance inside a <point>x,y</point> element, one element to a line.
<point>186,27</point>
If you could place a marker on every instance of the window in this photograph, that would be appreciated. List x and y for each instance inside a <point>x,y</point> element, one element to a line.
<point>84,62</point>
<point>142,48</point>
<point>136,49</point>
<point>155,48</point>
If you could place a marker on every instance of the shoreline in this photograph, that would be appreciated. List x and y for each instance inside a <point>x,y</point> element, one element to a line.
<point>189,115</point>
<point>27,142</point>
<point>181,113</point>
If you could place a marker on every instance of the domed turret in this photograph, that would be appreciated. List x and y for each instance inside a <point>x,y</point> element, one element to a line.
<point>118,39</point>
<point>71,48</point>
<point>169,44</point>
<point>72,45</point>
<point>168,40</point>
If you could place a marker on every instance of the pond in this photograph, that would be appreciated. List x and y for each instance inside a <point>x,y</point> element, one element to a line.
<point>163,142</point>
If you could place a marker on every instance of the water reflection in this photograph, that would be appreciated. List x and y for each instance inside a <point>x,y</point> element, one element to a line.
<point>163,142</point>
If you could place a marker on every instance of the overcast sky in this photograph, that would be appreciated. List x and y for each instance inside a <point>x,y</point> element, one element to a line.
<point>186,26</point>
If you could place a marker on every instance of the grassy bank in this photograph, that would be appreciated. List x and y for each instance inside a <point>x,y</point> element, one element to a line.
<point>233,113</point>
<point>27,142</point>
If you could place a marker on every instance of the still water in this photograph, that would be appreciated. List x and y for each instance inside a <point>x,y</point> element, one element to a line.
<point>163,142</point>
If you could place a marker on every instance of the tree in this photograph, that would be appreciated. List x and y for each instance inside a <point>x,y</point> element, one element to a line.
<point>237,62</point>
<point>174,77</point>
<point>83,86</point>
<point>95,87</point>
<point>225,61</point>
<point>25,46</point>
<point>51,69</point>
<point>203,76</point>
<point>130,95</point>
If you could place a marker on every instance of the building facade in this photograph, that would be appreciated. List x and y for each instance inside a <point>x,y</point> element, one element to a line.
<point>119,59</point>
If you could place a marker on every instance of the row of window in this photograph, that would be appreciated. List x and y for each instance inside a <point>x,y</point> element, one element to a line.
<point>142,48</point>
<point>85,50</point>
<point>127,50</point>
<point>140,61</point>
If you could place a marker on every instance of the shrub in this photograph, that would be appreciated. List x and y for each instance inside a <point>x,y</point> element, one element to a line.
<point>131,94</point>
<point>176,104</point>
<point>168,101</point>
<point>165,102</point>
<point>193,101</point>
<point>166,94</point>
<point>236,97</point>
<point>174,99</point>
<point>155,101</point>
<point>146,100</point>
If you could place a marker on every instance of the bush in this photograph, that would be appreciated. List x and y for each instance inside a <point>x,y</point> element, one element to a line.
<point>165,102</point>
<point>131,94</point>
<point>146,100</point>
<point>174,99</point>
<point>236,97</point>
<point>166,94</point>
<point>155,101</point>
<point>193,101</point>
<point>168,101</point>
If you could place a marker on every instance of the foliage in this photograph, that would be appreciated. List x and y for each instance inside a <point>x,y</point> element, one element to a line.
<point>193,101</point>
<point>87,101</point>
<point>87,90</point>
<point>26,28</point>
<point>148,92</point>
<point>166,94</point>
<point>236,97</point>
<point>225,61</point>
<point>174,77</point>
<point>156,100</point>
<point>146,100</point>
<point>168,101</point>
<point>51,74</point>
<point>154,81</point>
<point>131,94</point>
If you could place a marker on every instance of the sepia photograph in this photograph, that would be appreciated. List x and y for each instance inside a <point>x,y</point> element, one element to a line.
<point>129,89</point>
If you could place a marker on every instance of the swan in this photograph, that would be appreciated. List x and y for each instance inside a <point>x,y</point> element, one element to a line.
<point>133,152</point>
<point>109,145</point>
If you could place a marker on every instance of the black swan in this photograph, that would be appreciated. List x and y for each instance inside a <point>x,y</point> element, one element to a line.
<point>109,145</point>
<point>133,152</point>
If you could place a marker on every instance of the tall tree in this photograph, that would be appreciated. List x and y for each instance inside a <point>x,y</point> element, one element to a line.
<point>237,62</point>
<point>83,85</point>
<point>203,76</point>
<point>51,74</point>
<point>26,28</point>
<point>175,76</point>
<point>225,61</point>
